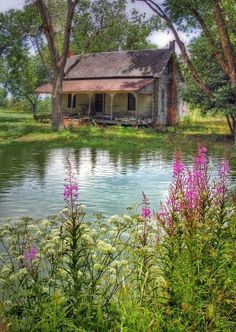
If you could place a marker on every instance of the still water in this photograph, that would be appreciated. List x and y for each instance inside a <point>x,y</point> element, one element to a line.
<point>32,179</point>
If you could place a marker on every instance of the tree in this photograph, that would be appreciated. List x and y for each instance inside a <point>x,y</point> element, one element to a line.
<point>222,99</point>
<point>103,26</point>
<point>24,73</point>
<point>216,21</point>
<point>58,53</point>
<point>20,72</point>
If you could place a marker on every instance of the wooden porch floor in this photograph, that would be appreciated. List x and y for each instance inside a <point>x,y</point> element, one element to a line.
<point>105,120</point>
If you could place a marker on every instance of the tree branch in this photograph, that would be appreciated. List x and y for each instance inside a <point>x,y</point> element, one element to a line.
<point>49,32</point>
<point>225,41</point>
<point>88,43</point>
<point>160,12</point>
<point>211,41</point>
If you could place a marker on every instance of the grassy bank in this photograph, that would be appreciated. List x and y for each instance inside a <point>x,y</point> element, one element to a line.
<point>18,128</point>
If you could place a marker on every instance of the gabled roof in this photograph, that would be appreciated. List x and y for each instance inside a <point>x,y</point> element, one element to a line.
<point>146,63</point>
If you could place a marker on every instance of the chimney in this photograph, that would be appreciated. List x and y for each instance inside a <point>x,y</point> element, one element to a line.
<point>172,45</point>
<point>70,54</point>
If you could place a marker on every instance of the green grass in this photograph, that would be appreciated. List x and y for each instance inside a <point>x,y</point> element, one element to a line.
<point>16,128</point>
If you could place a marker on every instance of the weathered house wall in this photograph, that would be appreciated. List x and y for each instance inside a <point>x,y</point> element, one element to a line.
<point>144,106</point>
<point>162,98</point>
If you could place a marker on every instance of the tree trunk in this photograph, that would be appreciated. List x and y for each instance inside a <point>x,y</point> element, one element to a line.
<point>225,41</point>
<point>231,128</point>
<point>234,126</point>
<point>34,109</point>
<point>57,115</point>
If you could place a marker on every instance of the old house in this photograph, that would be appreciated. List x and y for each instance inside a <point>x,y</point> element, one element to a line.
<point>122,87</point>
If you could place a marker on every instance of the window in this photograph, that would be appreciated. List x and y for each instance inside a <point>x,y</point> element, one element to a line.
<point>71,101</point>
<point>131,102</point>
<point>163,97</point>
<point>100,101</point>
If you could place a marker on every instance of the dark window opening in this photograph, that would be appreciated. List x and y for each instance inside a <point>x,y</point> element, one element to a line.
<point>99,102</point>
<point>71,101</point>
<point>131,102</point>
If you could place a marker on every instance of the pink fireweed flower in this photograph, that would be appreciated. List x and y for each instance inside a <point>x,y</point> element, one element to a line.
<point>224,169</point>
<point>200,159</point>
<point>146,212</point>
<point>29,255</point>
<point>165,218</point>
<point>71,191</point>
<point>221,186</point>
<point>178,165</point>
<point>71,188</point>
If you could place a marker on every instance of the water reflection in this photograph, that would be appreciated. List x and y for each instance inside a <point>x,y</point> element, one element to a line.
<point>32,178</point>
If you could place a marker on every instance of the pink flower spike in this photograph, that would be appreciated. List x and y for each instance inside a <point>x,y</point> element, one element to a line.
<point>146,212</point>
<point>178,165</point>
<point>224,170</point>
<point>71,191</point>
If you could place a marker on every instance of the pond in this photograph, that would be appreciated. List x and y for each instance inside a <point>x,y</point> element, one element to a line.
<point>32,179</point>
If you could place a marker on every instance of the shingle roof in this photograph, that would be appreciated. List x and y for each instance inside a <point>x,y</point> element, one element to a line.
<point>99,85</point>
<point>146,63</point>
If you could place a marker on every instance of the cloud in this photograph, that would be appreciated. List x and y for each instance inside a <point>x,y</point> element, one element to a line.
<point>162,38</point>
<point>11,4</point>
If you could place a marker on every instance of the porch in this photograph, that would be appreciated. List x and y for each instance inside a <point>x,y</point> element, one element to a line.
<point>109,108</point>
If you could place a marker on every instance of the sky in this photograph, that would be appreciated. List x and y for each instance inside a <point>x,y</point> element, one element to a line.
<point>162,39</point>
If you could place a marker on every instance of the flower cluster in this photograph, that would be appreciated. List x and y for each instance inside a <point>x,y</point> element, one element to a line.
<point>71,191</point>
<point>145,210</point>
<point>71,188</point>
<point>193,192</point>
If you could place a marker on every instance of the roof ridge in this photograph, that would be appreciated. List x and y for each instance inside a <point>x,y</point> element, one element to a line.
<point>122,51</point>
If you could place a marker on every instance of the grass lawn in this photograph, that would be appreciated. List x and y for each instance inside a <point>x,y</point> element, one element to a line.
<point>16,128</point>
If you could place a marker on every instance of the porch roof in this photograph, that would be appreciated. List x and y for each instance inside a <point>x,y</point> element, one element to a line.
<point>99,85</point>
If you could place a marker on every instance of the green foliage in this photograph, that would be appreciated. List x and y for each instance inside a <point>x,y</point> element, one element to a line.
<point>212,74</point>
<point>102,26</point>
<point>21,71</point>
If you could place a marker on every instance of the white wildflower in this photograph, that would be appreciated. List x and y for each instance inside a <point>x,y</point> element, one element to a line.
<point>112,278</point>
<point>112,270</point>
<point>105,247</point>
<point>87,239</point>
<point>124,262</point>
<point>7,303</point>
<point>115,264</point>
<point>113,219</point>
<point>46,223</point>
<point>21,273</point>
<point>5,270</point>
<point>98,267</point>
<point>128,218</point>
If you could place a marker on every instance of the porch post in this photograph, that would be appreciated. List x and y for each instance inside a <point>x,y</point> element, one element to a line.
<point>90,95</point>
<point>112,98</point>
<point>136,106</point>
